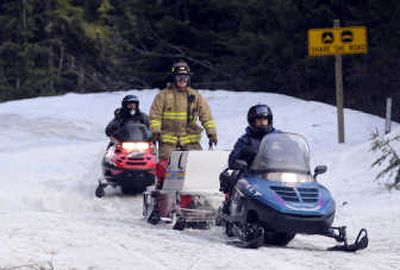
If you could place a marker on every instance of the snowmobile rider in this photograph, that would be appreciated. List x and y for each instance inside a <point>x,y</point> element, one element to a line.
<point>129,111</point>
<point>175,111</point>
<point>260,119</point>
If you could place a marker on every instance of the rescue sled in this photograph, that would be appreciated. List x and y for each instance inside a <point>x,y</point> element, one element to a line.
<point>188,196</point>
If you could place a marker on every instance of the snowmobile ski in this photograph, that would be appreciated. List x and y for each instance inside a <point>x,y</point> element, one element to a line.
<point>360,243</point>
<point>250,236</point>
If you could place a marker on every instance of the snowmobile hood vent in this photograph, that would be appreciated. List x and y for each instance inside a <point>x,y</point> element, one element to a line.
<point>286,193</point>
<point>290,194</point>
<point>309,195</point>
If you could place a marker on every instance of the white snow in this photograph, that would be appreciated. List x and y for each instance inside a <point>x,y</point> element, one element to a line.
<point>50,154</point>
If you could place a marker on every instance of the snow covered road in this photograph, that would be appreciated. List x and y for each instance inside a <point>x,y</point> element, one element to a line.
<point>49,217</point>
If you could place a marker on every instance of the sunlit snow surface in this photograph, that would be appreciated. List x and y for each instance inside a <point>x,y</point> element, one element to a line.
<point>50,155</point>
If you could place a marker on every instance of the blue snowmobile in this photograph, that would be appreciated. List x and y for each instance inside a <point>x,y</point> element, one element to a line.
<point>276,197</point>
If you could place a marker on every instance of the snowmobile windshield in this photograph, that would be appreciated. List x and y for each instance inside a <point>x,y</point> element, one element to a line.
<point>133,131</point>
<point>283,154</point>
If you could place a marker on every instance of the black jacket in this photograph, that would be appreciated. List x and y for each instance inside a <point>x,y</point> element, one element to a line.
<point>247,146</point>
<point>121,117</point>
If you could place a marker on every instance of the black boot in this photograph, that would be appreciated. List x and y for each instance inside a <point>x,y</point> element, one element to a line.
<point>154,217</point>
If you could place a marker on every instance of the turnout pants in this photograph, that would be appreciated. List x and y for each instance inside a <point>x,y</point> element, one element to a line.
<point>166,148</point>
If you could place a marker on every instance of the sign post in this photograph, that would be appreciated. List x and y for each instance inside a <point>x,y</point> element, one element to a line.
<point>388,115</point>
<point>337,41</point>
<point>339,90</point>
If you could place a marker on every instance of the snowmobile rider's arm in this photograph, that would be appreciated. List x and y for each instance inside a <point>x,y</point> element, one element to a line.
<point>225,181</point>
<point>240,165</point>
<point>228,179</point>
<point>145,119</point>
<point>115,124</point>
<point>242,151</point>
<point>113,127</point>
<point>147,135</point>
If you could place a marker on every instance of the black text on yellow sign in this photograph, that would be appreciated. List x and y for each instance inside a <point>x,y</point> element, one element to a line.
<point>340,40</point>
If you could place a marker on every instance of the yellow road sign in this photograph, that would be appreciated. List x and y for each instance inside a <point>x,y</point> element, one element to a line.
<point>340,40</point>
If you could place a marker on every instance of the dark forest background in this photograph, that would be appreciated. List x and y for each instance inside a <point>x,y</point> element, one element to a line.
<point>50,47</point>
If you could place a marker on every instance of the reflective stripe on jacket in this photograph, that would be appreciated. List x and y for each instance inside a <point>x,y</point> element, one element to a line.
<point>177,123</point>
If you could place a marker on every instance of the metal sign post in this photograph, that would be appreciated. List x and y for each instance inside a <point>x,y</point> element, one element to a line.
<point>388,115</point>
<point>339,90</point>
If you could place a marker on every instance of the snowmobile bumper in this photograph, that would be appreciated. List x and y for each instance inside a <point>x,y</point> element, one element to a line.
<point>282,222</point>
<point>131,179</point>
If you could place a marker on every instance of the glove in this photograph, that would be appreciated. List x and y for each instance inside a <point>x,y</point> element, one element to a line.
<point>156,136</point>
<point>212,139</point>
<point>225,182</point>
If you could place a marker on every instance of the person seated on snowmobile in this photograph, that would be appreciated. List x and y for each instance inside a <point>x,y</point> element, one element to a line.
<point>129,111</point>
<point>260,120</point>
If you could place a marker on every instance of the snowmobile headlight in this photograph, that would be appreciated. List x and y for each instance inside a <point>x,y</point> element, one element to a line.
<point>135,146</point>
<point>295,178</point>
<point>290,177</point>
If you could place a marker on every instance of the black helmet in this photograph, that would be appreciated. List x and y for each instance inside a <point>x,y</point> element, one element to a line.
<point>259,111</point>
<point>180,68</point>
<point>129,99</point>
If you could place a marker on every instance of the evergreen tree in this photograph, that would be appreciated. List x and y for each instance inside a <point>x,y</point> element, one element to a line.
<point>50,47</point>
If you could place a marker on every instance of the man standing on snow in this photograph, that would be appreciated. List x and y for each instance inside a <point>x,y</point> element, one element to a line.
<point>174,113</point>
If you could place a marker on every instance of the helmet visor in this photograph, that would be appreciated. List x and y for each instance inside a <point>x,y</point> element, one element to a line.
<point>131,104</point>
<point>262,112</point>
<point>182,77</point>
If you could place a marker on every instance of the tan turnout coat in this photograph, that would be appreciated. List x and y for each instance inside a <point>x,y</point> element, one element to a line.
<point>174,113</point>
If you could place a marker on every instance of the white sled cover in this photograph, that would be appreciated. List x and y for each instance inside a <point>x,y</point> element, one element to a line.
<point>195,171</point>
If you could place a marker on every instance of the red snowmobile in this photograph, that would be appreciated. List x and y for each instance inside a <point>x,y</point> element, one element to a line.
<point>129,161</point>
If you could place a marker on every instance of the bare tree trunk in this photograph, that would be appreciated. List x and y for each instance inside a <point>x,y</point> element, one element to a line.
<point>81,80</point>
<point>61,61</point>
<point>23,14</point>
<point>17,84</point>
<point>49,32</point>
<point>22,41</point>
<point>51,69</point>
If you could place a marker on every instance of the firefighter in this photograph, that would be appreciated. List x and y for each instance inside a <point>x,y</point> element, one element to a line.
<point>174,114</point>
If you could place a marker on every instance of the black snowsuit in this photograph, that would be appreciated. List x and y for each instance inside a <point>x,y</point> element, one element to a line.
<point>122,116</point>
<point>247,145</point>
<point>245,148</point>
